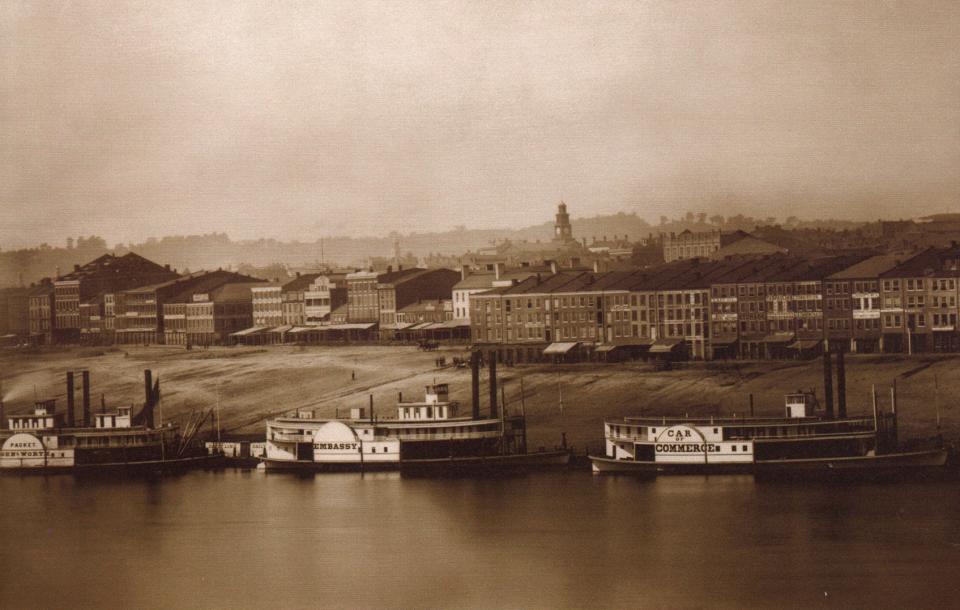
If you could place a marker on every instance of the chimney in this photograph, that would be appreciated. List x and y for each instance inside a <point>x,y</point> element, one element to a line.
<point>70,396</point>
<point>148,395</point>
<point>389,268</point>
<point>76,267</point>
<point>492,365</point>
<point>475,382</point>
<point>399,267</point>
<point>86,398</point>
<point>553,267</point>
<point>497,270</point>
<point>827,384</point>
<point>464,272</point>
<point>841,386</point>
<point>167,266</point>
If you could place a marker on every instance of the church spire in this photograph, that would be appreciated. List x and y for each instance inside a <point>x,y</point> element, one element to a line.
<point>562,231</point>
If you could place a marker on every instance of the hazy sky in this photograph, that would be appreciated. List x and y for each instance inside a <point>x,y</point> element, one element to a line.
<point>131,119</point>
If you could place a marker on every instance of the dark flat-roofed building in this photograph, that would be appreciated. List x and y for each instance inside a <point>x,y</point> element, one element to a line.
<point>396,290</point>
<point>15,312</point>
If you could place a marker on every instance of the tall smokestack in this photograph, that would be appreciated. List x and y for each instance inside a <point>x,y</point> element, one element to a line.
<point>70,396</point>
<point>148,392</point>
<point>86,398</point>
<point>475,382</point>
<point>493,384</point>
<point>841,386</point>
<point>827,384</point>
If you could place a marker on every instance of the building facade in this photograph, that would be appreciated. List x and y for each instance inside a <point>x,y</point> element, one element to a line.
<point>322,296</point>
<point>87,284</point>
<point>40,312</point>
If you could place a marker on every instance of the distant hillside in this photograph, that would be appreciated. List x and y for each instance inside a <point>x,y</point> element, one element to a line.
<point>216,250</point>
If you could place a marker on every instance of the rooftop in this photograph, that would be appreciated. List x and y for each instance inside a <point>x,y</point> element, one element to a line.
<point>871,267</point>
<point>109,265</point>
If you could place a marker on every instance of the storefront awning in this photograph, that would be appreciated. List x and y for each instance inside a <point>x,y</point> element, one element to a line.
<point>664,346</point>
<point>559,348</point>
<point>397,326</point>
<point>801,344</point>
<point>778,338</point>
<point>606,348</point>
<point>253,330</point>
<point>453,324</point>
<point>355,326</point>
<point>723,341</point>
<point>281,329</point>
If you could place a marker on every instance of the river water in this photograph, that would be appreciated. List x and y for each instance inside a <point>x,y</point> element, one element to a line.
<point>244,539</point>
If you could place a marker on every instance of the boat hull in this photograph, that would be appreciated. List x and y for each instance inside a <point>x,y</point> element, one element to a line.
<point>490,464</point>
<point>893,463</point>
<point>450,465</point>
<point>144,466</point>
<point>275,465</point>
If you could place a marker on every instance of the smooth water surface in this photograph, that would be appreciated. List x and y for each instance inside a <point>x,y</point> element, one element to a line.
<point>242,539</point>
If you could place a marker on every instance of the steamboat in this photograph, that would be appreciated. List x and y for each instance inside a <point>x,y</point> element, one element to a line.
<point>424,437</point>
<point>49,441</point>
<point>805,441</point>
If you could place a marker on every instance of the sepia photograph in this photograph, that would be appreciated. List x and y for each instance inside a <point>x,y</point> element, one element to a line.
<point>480,304</point>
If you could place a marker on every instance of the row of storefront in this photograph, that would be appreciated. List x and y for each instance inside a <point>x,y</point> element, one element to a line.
<point>451,330</point>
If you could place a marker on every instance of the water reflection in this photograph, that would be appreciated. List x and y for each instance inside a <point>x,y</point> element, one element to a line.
<point>244,539</point>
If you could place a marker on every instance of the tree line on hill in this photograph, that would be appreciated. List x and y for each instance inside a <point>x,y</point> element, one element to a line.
<point>216,250</point>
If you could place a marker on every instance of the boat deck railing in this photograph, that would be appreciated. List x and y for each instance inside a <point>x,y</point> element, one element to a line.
<point>736,421</point>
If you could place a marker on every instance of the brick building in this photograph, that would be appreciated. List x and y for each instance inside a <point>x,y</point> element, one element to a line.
<point>40,312</point>
<point>107,274</point>
<point>853,304</point>
<point>210,314</point>
<point>140,311</point>
<point>363,304</point>
<point>919,298</point>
